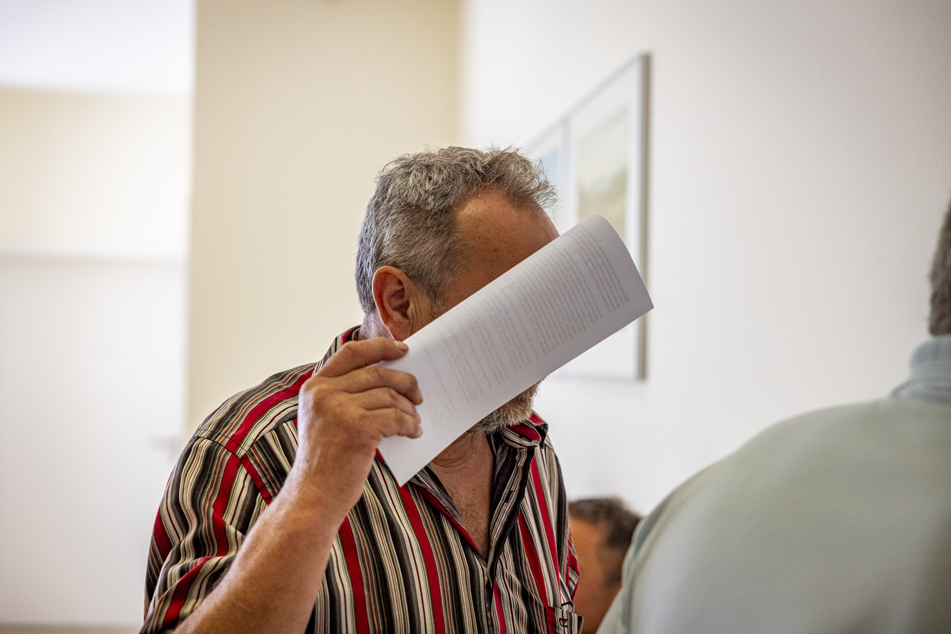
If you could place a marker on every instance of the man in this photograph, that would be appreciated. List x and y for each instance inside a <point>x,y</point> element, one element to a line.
<point>835,521</point>
<point>281,516</point>
<point>601,530</point>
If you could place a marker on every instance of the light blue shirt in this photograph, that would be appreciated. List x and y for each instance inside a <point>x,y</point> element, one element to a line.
<point>835,521</point>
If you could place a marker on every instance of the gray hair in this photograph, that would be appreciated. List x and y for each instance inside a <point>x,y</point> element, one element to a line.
<point>940,323</point>
<point>410,220</point>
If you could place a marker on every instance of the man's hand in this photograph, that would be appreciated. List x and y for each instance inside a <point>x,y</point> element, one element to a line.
<point>344,411</point>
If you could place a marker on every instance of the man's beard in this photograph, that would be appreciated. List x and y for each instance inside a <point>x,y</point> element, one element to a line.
<point>512,413</point>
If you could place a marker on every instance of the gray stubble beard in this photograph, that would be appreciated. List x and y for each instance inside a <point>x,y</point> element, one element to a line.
<point>516,411</point>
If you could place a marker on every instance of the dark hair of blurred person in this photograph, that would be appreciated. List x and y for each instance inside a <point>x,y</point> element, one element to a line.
<point>601,529</point>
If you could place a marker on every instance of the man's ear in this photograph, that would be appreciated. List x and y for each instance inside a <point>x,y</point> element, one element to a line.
<point>399,302</point>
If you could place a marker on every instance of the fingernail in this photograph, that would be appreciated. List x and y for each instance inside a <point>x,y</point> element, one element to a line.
<point>402,346</point>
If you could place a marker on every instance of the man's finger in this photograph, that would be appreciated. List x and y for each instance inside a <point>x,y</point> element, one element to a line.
<point>373,377</point>
<point>393,422</point>
<point>359,354</point>
<point>387,398</point>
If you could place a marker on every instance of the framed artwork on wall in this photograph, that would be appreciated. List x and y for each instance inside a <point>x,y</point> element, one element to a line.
<point>596,157</point>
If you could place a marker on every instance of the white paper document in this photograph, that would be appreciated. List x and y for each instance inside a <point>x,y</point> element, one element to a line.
<point>563,299</point>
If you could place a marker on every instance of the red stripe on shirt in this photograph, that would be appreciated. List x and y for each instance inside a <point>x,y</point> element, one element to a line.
<point>160,536</point>
<point>534,564</point>
<point>528,431</point>
<point>543,510</point>
<point>181,592</point>
<point>356,576</point>
<point>221,502</point>
<point>462,529</point>
<point>431,572</point>
<point>234,443</point>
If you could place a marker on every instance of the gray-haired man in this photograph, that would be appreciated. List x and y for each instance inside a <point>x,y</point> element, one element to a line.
<point>282,516</point>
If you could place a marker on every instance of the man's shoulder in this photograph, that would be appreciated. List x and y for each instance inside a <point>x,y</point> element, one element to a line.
<point>251,414</point>
<point>823,430</point>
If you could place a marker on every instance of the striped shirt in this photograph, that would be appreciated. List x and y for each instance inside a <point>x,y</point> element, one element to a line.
<point>401,562</point>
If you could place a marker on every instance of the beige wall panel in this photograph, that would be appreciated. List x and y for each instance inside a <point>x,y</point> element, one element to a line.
<point>298,104</point>
<point>94,174</point>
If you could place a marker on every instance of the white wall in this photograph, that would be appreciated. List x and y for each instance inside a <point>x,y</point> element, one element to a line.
<point>94,174</point>
<point>91,417</point>
<point>95,122</point>
<point>298,105</point>
<point>799,169</point>
<point>99,46</point>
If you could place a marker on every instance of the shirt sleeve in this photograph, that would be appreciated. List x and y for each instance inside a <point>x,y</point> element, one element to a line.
<point>210,504</point>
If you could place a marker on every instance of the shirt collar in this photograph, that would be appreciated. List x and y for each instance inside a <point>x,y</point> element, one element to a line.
<point>528,433</point>
<point>347,335</point>
<point>930,376</point>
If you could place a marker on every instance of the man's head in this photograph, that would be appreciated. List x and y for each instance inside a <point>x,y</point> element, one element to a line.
<point>601,529</point>
<point>410,222</point>
<point>941,281</point>
<point>441,225</point>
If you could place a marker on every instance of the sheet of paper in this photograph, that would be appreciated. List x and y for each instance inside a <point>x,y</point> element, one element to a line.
<point>563,299</point>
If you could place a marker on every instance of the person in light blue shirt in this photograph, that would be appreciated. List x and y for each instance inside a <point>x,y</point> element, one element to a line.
<point>834,521</point>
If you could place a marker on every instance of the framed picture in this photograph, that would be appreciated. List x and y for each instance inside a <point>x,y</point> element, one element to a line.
<point>596,157</point>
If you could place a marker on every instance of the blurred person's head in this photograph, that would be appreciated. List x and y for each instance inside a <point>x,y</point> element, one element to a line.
<point>941,281</point>
<point>601,529</point>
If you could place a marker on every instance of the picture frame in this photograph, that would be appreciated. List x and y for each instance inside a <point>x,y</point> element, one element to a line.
<point>596,156</point>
